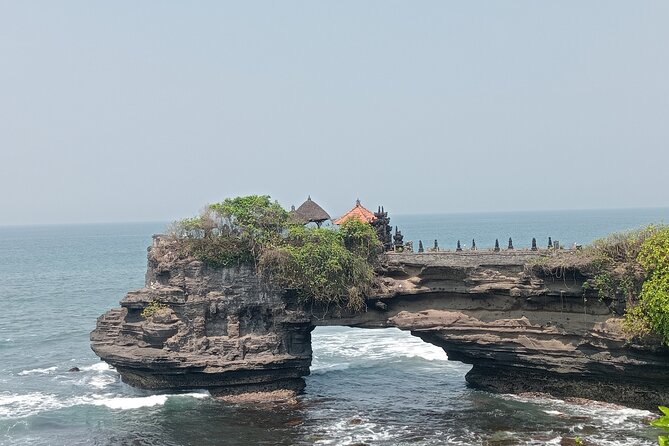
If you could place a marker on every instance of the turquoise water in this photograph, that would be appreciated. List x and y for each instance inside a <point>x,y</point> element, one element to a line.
<point>367,386</point>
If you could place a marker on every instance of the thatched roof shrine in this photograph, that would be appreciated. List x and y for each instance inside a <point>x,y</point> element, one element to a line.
<point>311,212</point>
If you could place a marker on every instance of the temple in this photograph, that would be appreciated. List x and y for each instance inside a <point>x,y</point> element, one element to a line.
<point>384,230</point>
<point>358,212</point>
<point>381,223</point>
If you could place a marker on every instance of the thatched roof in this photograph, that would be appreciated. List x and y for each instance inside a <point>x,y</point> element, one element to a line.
<point>310,211</point>
<point>358,212</point>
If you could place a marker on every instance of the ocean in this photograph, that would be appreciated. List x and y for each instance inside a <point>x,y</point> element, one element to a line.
<point>376,387</point>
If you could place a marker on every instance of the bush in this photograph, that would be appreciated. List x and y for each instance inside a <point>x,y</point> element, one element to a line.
<point>609,263</point>
<point>662,423</point>
<point>325,265</point>
<point>221,251</point>
<point>232,232</point>
<point>151,308</point>
<point>361,238</point>
<point>615,265</point>
<point>651,313</point>
<point>317,264</point>
<point>632,265</point>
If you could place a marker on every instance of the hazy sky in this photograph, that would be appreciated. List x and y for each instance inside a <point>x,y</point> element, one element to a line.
<point>133,111</point>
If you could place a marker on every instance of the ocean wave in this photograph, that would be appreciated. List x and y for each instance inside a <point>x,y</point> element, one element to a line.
<point>24,405</point>
<point>609,417</point>
<point>358,430</point>
<point>320,369</point>
<point>374,344</point>
<point>100,381</point>
<point>611,414</point>
<point>103,375</point>
<point>129,402</point>
<point>14,406</point>
<point>97,367</point>
<point>43,371</point>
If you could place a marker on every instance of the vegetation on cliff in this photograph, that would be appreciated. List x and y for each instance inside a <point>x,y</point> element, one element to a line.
<point>663,423</point>
<point>326,265</point>
<point>651,312</point>
<point>632,266</point>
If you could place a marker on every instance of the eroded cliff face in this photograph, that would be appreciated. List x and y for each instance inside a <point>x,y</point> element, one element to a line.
<point>522,331</point>
<point>220,329</point>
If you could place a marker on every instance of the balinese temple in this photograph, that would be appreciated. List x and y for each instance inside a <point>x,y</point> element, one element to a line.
<point>359,212</point>
<point>379,220</point>
<point>311,212</point>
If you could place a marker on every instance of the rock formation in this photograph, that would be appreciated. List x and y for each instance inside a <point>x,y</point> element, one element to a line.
<point>220,329</point>
<point>520,328</point>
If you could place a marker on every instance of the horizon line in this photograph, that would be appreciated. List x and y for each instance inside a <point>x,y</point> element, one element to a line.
<point>92,223</point>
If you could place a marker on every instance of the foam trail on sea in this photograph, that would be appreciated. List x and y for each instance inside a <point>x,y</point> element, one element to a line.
<point>98,367</point>
<point>614,418</point>
<point>376,344</point>
<point>126,403</point>
<point>14,406</point>
<point>38,371</point>
<point>357,430</point>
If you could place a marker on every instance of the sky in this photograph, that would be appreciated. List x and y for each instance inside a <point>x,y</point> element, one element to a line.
<point>146,111</point>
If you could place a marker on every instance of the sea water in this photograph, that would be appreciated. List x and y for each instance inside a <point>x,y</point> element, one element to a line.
<point>377,387</point>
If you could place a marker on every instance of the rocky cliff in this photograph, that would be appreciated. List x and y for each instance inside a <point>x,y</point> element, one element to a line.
<point>224,330</point>
<point>218,329</point>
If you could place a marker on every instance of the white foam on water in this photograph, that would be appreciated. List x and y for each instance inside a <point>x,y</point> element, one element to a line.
<point>357,430</point>
<point>610,414</point>
<point>124,403</point>
<point>555,441</point>
<point>100,381</point>
<point>613,418</point>
<point>371,345</point>
<point>319,368</point>
<point>103,375</point>
<point>127,403</point>
<point>97,367</point>
<point>23,405</point>
<point>44,371</point>
<point>14,406</point>
<point>418,349</point>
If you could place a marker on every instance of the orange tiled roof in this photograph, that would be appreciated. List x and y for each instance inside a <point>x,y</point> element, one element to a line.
<point>359,212</point>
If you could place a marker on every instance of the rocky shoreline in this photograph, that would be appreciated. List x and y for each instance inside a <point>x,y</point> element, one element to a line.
<point>224,330</point>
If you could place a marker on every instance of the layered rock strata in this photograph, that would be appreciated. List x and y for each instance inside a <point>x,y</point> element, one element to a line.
<point>522,330</point>
<point>218,329</point>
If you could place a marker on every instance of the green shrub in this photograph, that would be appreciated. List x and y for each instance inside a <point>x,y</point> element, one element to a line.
<point>326,265</point>
<point>151,308</point>
<point>232,232</point>
<point>319,266</point>
<point>610,264</point>
<point>633,265</point>
<point>663,423</point>
<point>651,312</point>
<point>615,265</point>
<point>361,238</point>
<point>219,251</point>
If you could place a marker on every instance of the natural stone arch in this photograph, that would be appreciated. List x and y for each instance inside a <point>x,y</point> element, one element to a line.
<point>223,330</point>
